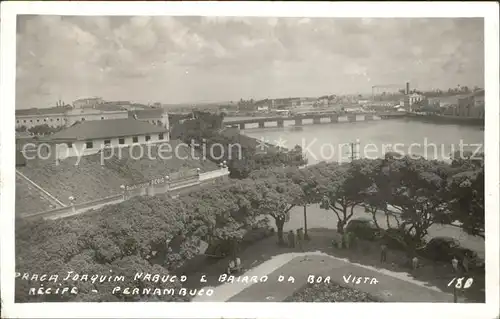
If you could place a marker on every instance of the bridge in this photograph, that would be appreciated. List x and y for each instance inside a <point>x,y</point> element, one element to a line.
<point>317,118</point>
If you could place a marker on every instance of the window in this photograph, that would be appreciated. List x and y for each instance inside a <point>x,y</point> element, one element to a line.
<point>148,138</point>
<point>31,121</point>
<point>52,120</point>
<point>24,121</point>
<point>57,119</point>
<point>135,139</point>
<point>107,142</point>
<point>160,136</point>
<point>17,121</point>
<point>102,117</point>
<point>69,144</point>
<point>121,141</point>
<point>37,121</point>
<point>89,144</point>
<point>83,119</point>
<point>45,120</point>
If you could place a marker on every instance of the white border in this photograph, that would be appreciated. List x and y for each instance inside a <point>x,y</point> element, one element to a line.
<point>488,10</point>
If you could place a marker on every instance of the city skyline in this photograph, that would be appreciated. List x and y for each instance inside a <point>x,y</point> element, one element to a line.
<point>178,60</point>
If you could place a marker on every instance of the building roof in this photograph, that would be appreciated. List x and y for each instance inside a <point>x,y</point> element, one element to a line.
<point>42,111</point>
<point>92,98</point>
<point>109,107</point>
<point>118,102</point>
<point>478,93</point>
<point>146,114</point>
<point>106,129</point>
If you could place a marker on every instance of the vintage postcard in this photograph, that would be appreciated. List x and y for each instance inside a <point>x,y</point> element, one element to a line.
<point>249,160</point>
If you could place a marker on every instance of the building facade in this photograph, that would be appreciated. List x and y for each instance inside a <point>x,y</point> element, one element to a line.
<point>65,116</point>
<point>93,136</point>
<point>157,117</point>
<point>471,105</point>
<point>88,102</point>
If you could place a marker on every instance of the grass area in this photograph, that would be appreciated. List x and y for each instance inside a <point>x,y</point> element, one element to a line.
<point>366,253</point>
<point>89,180</point>
<point>329,293</point>
<point>29,199</point>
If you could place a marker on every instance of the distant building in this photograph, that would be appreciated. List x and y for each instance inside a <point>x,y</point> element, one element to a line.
<point>52,116</point>
<point>67,116</point>
<point>296,103</point>
<point>264,108</point>
<point>87,102</point>
<point>307,104</point>
<point>323,102</point>
<point>91,137</point>
<point>415,98</point>
<point>154,116</point>
<point>471,105</point>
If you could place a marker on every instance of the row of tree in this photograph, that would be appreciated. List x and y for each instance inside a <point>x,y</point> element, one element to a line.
<point>43,129</point>
<point>412,193</point>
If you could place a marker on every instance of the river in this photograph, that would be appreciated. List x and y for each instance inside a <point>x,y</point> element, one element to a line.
<point>324,142</point>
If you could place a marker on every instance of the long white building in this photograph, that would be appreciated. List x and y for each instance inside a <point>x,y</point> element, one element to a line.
<point>93,109</point>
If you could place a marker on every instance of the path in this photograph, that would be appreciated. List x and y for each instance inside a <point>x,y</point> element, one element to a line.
<point>391,287</point>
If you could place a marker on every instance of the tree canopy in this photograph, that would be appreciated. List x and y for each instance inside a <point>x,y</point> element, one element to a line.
<point>160,234</point>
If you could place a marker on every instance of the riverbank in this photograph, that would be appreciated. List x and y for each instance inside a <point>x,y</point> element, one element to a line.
<point>446,119</point>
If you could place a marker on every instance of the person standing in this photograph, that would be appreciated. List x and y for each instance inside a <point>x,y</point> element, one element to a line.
<point>383,253</point>
<point>414,263</point>
<point>291,239</point>
<point>454,264</point>
<point>465,263</point>
<point>300,238</point>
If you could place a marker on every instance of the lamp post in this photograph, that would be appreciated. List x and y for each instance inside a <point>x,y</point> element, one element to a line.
<point>306,235</point>
<point>122,187</point>
<point>72,203</point>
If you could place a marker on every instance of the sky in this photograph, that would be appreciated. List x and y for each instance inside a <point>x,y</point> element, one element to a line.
<point>195,59</point>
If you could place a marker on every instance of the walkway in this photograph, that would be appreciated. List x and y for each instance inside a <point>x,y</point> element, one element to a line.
<point>391,286</point>
<point>214,174</point>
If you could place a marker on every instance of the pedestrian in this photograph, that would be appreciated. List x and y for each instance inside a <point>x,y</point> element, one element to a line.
<point>454,264</point>
<point>300,238</point>
<point>347,240</point>
<point>291,239</point>
<point>414,263</point>
<point>465,263</point>
<point>383,253</point>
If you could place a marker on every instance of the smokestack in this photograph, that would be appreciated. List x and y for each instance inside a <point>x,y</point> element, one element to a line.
<point>407,90</point>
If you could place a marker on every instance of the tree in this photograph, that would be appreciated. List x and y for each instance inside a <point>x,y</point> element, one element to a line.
<point>415,188</point>
<point>226,213</point>
<point>466,190</point>
<point>157,233</point>
<point>343,190</point>
<point>309,179</point>
<point>278,196</point>
<point>21,128</point>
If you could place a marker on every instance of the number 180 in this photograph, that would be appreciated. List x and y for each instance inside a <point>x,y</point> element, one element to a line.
<point>458,282</point>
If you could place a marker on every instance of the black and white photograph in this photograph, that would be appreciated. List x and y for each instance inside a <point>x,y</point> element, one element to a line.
<point>273,158</point>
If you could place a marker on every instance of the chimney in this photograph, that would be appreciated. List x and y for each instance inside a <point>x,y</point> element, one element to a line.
<point>407,89</point>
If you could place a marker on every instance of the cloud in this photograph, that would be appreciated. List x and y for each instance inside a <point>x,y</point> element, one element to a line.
<point>175,59</point>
